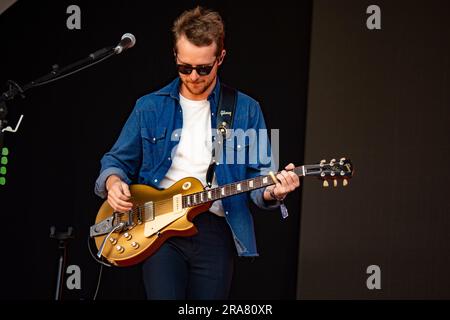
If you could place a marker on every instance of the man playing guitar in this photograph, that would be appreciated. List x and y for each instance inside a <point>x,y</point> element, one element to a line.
<point>168,137</point>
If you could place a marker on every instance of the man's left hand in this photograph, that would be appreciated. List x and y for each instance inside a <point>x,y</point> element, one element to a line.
<point>288,181</point>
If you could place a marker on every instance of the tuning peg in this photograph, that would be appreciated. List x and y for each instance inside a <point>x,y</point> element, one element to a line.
<point>341,161</point>
<point>345,182</point>
<point>322,162</point>
<point>325,184</point>
<point>332,162</point>
<point>334,183</point>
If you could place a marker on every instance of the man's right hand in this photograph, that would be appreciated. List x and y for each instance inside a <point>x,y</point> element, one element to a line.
<point>118,194</point>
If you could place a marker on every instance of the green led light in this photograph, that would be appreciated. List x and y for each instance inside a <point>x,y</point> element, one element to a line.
<point>5,151</point>
<point>3,170</point>
<point>4,160</point>
<point>2,181</point>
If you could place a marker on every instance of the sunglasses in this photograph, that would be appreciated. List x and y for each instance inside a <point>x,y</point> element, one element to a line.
<point>202,70</point>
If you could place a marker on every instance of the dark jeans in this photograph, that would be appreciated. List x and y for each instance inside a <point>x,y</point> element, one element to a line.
<point>198,267</point>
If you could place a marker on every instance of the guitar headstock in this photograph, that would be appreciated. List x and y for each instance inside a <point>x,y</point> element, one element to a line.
<point>334,171</point>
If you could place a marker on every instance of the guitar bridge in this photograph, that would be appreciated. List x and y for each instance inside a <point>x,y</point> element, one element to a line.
<point>101,228</point>
<point>105,226</point>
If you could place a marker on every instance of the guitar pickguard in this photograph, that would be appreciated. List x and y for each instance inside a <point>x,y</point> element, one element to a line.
<point>161,221</point>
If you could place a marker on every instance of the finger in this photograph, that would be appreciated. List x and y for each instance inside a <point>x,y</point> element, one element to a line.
<point>292,179</point>
<point>282,179</point>
<point>126,205</point>
<point>289,179</point>
<point>120,208</point>
<point>295,178</point>
<point>112,203</point>
<point>119,194</point>
<point>277,190</point>
<point>126,189</point>
<point>116,206</point>
<point>290,184</point>
<point>290,166</point>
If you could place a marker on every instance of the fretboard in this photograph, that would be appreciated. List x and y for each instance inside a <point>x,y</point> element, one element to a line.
<point>231,189</point>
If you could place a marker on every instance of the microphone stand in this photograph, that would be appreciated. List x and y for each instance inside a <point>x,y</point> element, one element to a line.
<point>57,73</point>
<point>63,238</point>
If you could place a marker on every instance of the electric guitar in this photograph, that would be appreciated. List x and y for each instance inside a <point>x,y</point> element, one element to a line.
<point>125,239</point>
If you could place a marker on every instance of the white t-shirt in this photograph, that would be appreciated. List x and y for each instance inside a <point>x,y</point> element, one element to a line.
<point>193,153</point>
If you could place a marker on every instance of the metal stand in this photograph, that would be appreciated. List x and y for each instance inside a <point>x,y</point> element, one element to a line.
<point>62,238</point>
<point>3,122</point>
<point>57,73</point>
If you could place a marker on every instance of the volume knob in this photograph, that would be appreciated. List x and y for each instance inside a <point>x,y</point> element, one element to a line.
<point>127,236</point>
<point>135,245</point>
<point>120,249</point>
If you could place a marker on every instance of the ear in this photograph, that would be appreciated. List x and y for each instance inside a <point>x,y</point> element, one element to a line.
<point>222,56</point>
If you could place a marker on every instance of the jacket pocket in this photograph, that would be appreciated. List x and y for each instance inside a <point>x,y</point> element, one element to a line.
<point>153,143</point>
<point>238,153</point>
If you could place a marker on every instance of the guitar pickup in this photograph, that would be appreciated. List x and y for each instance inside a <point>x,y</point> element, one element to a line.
<point>149,213</point>
<point>177,203</point>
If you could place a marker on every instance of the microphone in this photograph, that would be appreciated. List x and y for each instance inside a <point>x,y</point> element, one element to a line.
<point>127,41</point>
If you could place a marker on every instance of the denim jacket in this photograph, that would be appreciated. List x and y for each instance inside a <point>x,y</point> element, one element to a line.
<point>142,154</point>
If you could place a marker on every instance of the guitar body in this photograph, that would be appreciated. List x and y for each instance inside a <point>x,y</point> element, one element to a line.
<point>138,242</point>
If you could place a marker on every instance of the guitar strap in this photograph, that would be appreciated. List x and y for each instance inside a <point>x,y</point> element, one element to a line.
<point>224,121</point>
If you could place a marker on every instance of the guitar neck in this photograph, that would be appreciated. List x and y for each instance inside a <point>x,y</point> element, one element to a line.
<point>247,185</point>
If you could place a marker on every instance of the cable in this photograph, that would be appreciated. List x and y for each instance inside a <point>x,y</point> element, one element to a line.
<point>94,257</point>
<point>102,263</point>
<point>98,282</point>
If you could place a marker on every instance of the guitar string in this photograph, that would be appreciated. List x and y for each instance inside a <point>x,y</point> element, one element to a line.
<point>164,202</point>
<point>232,186</point>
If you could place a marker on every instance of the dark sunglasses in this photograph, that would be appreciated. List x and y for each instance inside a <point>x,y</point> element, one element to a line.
<point>203,70</point>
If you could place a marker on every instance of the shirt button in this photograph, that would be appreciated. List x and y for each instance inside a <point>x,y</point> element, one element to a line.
<point>212,113</point>
<point>176,134</point>
<point>169,158</point>
<point>226,212</point>
<point>156,180</point>
<point>239,146</point>
<point>154,139</point>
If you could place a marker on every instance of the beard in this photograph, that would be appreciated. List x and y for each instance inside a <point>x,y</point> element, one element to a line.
<point>198,87</point>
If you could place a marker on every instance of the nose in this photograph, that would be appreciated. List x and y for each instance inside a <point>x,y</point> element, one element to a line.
<point>194,76</point>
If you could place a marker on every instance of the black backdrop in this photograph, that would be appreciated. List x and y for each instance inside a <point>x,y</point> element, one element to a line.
<point>70,124</point>
<point>382,98</point>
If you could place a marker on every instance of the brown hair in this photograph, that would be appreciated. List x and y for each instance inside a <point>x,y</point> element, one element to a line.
<point>201,27</point>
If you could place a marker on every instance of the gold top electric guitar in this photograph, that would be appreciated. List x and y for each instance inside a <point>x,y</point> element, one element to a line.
<point>125,239</point>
